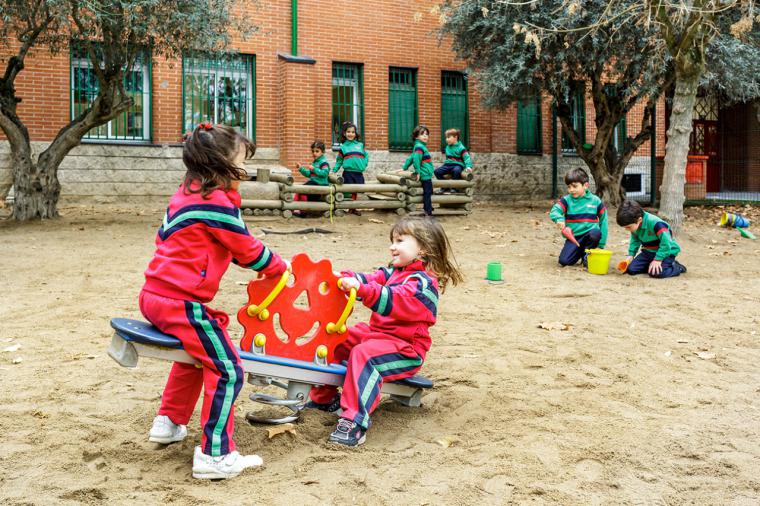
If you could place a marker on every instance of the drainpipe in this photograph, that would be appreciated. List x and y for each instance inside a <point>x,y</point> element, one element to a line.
<point>294,27</point>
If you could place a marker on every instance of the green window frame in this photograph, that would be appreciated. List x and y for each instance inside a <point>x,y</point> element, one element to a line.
<point>529,141</point>
<point>455,110</point>
<point>619,136</point>
<point>347,98</point>
<point>219,90</point>
<point>132,125</point>
<point>578,115</point>
<point>402,108</point>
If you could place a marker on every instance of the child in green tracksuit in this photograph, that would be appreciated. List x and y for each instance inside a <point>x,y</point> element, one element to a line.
<point>317,172</point>
<point>457,157</point>
<point>654,237</point>
<point>423,165</point>
<point>352,158</point>
<point>584,214</point>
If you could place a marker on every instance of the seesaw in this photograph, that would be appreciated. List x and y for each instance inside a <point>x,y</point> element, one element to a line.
<point>296,361</point>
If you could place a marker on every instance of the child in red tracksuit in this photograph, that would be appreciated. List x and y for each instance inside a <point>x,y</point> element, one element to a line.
<point>404,303</point>
<point>201,233</point>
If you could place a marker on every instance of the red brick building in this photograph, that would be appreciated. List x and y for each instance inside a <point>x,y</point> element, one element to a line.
<point>382,66</point>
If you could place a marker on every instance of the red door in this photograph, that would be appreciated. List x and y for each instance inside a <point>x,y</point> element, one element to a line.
<point>705,140</point>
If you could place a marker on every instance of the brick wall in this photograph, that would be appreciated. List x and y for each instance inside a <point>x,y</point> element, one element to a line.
<point>294,100</point>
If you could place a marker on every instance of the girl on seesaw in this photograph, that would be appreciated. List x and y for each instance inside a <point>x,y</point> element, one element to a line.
<point>201,233</point>
<point>404,303</point>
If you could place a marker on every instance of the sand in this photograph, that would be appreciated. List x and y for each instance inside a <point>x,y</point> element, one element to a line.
<point>648,396</point>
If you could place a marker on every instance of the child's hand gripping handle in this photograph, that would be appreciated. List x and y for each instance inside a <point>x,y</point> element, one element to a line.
<point>340,325</point>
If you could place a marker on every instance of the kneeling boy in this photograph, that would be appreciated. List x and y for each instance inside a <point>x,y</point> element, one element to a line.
<point>584,213</point>
<point>654,237</point>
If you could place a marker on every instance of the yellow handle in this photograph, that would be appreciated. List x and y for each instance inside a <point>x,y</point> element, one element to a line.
<point>340,325</point>
<point>261,310</point>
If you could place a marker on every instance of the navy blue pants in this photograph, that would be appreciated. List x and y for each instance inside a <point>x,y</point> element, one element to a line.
<point>427,196</point>
<point>571,253</point>
<point>449,168</point>
<point>640,265</point>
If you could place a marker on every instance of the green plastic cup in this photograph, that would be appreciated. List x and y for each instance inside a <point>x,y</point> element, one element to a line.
<point>493,271</point>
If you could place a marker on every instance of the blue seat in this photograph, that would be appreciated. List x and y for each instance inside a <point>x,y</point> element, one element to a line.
<point>145,333</point>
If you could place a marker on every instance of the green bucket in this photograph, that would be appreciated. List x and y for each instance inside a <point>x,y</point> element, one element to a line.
<point>493,272</point>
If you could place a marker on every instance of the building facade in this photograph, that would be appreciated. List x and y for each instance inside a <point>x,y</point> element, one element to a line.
<point>379,64</point>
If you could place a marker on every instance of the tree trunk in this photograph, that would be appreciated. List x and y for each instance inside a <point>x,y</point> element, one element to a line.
<point>677,149</point>
<point>36,189</point>
<point>607,182</point>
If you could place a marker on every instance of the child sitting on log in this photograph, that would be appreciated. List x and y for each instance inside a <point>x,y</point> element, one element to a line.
<point>317,171</point>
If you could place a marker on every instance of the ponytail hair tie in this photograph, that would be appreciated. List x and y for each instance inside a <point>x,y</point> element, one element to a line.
<point>205,126</point>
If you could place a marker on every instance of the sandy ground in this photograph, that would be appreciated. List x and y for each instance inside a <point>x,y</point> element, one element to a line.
<point>617,409</point>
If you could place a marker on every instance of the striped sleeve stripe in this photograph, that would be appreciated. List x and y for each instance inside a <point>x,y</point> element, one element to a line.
<point>361,277</point>
<point>562,204</point>
<point>418,150</point>
<point>660,227</point>
<point>426,293</point>
<point>384,304</point>
<point>323,165</point>
<point>601,209</point>
<point>226,218</point>
<point>388,272</point>
<point>260,262</point>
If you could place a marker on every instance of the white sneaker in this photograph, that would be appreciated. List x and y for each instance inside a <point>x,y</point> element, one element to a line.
<point>165,431</point>
<point>206,467</point>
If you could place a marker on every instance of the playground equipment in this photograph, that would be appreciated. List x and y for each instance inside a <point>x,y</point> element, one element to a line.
<point>285,344</point>
<point>733,220</point>
<point>274,194</point>
<point>598,260</point>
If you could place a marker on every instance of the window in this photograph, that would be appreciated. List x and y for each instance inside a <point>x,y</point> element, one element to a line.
<point>347,98</point>
<point>454,106</point>
<point>578,115</point>
<point>402,107</point>
<point>131,125</point>
<point>221,91</point>
<point>529,126</point>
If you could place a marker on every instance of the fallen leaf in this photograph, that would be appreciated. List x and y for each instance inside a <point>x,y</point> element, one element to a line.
<point>705,355</point>
<point>555,326</point>
<point>17,360</point>
<point>447,441</point>
<point>668,353</point>
<point>11,349</point>
<point>682,341</point>
<point>375,220</point>
<point>281,429</point>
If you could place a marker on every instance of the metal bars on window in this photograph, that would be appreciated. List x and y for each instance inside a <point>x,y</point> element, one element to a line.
<point>219,91</point>
<point>454,106</point>
<point>578,114</point>
<point>347,98</point>
<point>402,107</point>
<point>132,124</point>
<point>529,126</point>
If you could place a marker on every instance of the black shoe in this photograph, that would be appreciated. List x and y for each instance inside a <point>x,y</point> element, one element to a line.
<point>584,261</point>
<point>330,407</point>
<point>348,433</point>
<point>682,266</point>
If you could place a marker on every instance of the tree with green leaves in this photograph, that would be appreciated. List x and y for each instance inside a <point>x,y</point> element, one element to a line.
<point>714,44</point>
<point>523,49</point>
<point>112,34</point>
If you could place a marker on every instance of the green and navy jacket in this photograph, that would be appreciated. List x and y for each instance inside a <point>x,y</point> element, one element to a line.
<point>352,157</point>
<point>317,172</point>
<point>457,154</point>
<point>582,214</point>
<point>196,242</point>
<point>653,235</point>
<point>404,302</point>
<point>422,161</point>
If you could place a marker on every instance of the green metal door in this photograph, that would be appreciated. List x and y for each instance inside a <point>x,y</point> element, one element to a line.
<point>454,110</point>
<point>402,107</point>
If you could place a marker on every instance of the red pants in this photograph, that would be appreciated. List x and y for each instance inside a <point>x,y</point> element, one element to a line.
<point>373,357</point>
<point>203,332</point>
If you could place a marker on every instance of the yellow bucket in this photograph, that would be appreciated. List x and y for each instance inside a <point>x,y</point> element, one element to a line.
<point>598,260</point>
